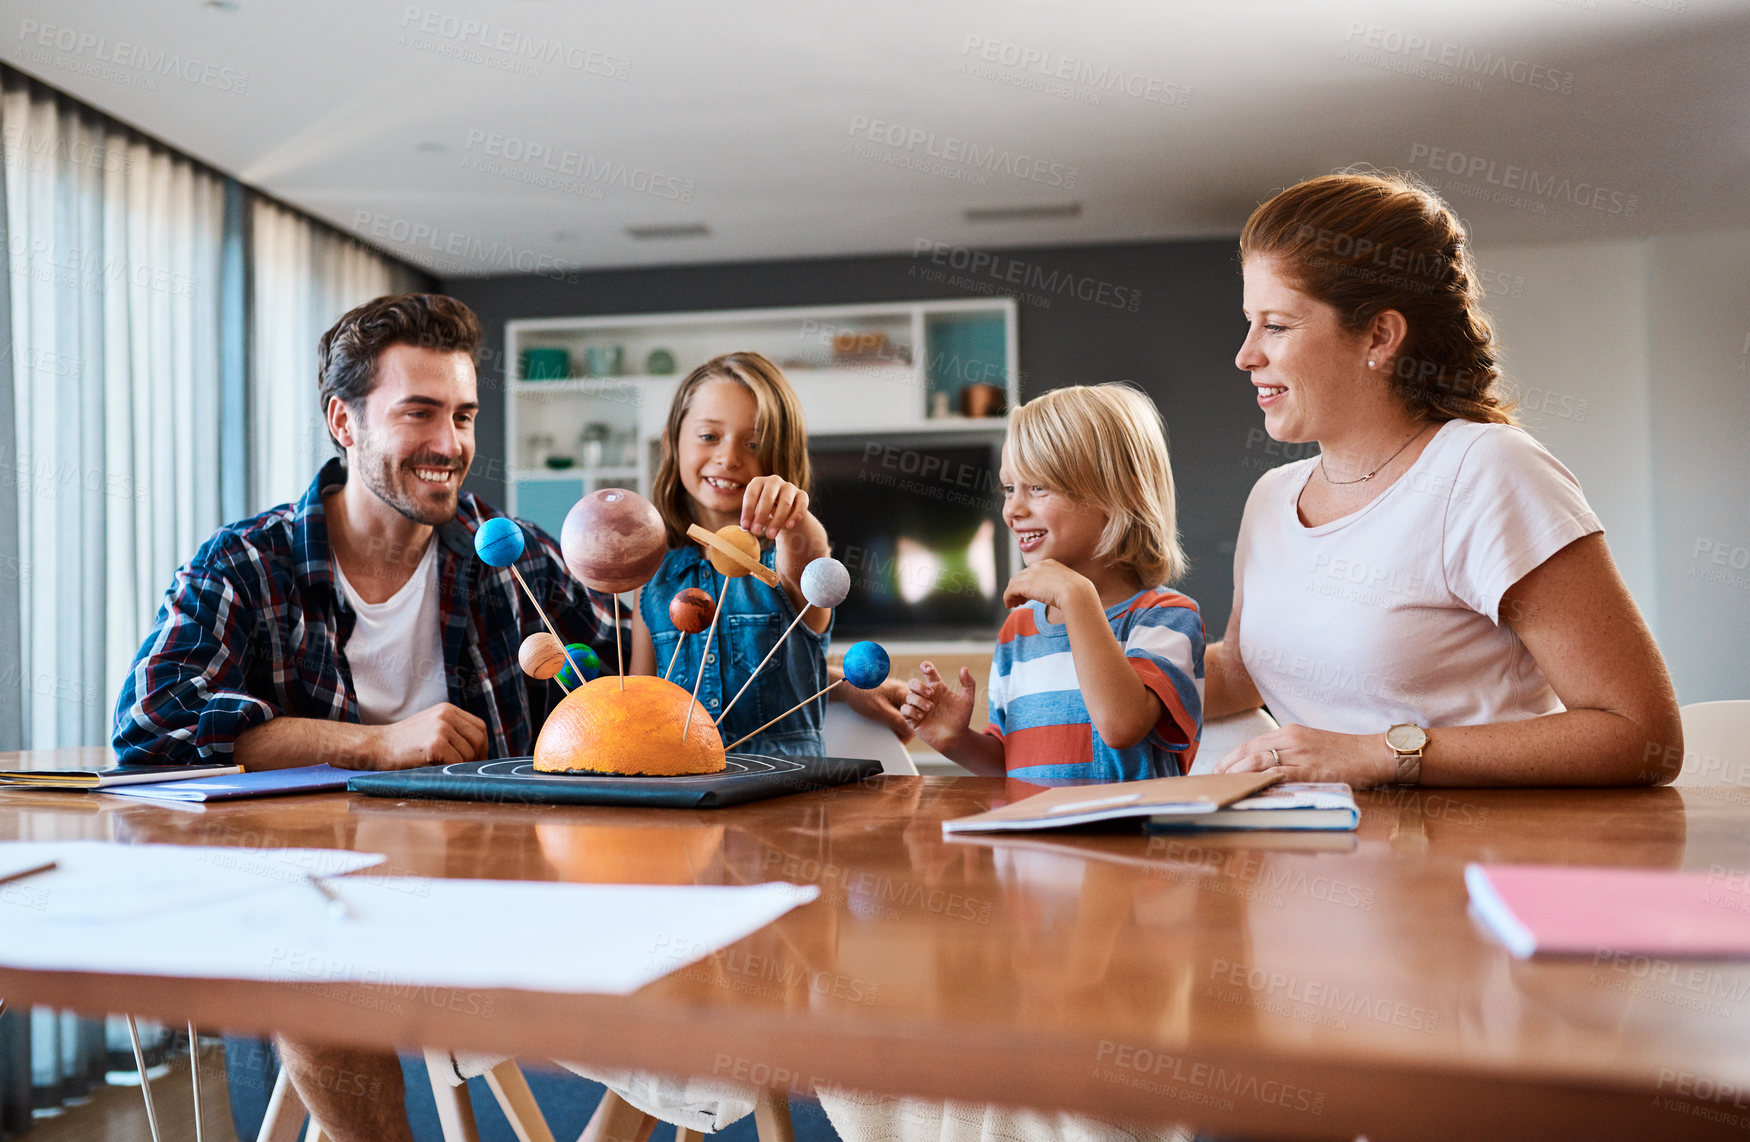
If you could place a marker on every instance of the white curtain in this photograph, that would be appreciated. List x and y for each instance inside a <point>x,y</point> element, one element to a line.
<point>305,276</point>
<point>113,276</point>
<point>120,406</point>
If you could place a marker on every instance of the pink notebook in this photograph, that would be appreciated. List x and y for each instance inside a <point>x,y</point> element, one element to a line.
<point>1549,910</point>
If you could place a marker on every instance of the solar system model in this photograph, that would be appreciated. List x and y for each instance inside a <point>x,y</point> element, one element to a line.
<point>613,541</point>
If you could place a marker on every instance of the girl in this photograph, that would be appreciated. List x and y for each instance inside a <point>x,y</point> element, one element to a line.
<point>1098,671</point>
<point>735,450</point>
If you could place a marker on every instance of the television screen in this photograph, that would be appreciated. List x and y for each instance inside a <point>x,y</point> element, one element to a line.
<point>919,524</point>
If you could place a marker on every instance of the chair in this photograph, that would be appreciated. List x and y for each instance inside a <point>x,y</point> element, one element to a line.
<point>846,733</point>
<point>615,1120</point>
<point>1716,744</point>
<point>286,1111</point>
<point>1221,735</point>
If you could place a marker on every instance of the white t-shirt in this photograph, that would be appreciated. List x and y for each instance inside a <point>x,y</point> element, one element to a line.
<point>1391,614</point>
<point>396,651</point>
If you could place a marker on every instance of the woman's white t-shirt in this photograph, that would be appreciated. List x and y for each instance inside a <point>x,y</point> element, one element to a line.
<point>1392,613</point>
<point>395,652</point>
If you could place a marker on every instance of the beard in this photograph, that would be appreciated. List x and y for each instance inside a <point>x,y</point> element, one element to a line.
<point>393,482</point>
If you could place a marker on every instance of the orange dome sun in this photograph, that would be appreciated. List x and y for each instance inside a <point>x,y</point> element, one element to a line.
<point>599,728</point>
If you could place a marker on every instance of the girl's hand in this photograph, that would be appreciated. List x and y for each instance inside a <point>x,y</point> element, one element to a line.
<point>771,505</point>
<point>1301,753</point>
<point>1048,582</point>
<point>884,704</point>
<point>936,712</point>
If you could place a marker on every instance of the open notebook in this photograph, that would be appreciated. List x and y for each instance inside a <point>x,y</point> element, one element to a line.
<point>1087,804</point>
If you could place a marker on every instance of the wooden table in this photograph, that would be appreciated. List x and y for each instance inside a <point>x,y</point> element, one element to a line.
<point>1317,987</point>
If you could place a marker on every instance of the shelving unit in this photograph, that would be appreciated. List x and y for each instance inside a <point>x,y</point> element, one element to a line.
<point>859,369</point>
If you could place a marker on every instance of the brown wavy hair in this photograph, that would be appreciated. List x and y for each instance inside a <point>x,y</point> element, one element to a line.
<point>1365,242</point>
<point>346,357</point>
<point>783,447</point>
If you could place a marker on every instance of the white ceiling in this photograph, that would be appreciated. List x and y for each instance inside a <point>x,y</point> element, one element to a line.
<point>373,114</point>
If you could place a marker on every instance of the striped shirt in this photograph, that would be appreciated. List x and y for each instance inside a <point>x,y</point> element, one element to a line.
<point>255,626</point>
<point>1036,704</point>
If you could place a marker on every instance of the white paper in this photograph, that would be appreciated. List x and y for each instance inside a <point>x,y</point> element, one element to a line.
<point>409,933</point>
<point>96,882</point>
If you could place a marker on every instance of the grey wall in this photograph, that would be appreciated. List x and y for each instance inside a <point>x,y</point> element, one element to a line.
<point>1178,344</point>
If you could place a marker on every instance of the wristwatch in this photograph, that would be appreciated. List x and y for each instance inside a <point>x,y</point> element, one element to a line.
<point>1407,741</point>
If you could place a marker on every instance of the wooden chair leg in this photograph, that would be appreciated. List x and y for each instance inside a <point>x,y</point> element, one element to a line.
<point>517,1101</point>
<point>284,1120</point>
<point>616,1120</point>
<point>455,1115</point>
<point>771,1117</point>
<point>682,1134</point>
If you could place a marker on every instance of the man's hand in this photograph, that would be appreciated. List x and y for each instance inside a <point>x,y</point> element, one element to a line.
<point>936,711</point>
<point>438,736</point>
<point>1048,582</point>
<point>882,705</point>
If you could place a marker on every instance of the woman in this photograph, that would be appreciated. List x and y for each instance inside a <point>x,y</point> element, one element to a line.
<point>1433,576</point>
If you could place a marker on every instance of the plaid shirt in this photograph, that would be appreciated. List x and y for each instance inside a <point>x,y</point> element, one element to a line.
<point>255,626</point>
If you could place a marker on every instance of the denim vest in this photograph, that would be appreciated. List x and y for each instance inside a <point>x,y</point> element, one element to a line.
<point>750,620</point>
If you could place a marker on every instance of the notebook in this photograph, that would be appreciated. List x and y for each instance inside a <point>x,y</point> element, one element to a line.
<point>1539,910</point>
<point>1072,805</point>
<point>1292,805</point>
<point>260,783</point>
<point>112,775</point>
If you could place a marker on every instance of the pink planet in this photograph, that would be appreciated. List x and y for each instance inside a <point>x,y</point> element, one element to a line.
<point>613,540</point>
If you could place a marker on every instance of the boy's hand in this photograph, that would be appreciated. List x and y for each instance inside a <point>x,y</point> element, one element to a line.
<point>936,712</point>
<point>1048,582</point>
<point>771,505</point>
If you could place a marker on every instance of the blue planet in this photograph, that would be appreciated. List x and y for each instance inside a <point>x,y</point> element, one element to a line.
<point>866,665</point>
<point>499,541</point>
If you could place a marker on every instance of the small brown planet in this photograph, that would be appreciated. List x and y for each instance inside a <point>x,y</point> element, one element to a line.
<point>613,540</point>
<point>690,610</point>
<point>541,656</point>
<point>600,728</point>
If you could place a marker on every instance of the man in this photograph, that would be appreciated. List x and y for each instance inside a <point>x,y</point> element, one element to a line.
<point>357,626</point>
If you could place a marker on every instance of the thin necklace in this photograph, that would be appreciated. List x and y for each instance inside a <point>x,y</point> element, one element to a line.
<point>1377,467</point>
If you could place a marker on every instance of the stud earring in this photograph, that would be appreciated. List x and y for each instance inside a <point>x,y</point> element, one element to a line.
<point>1370,364</point>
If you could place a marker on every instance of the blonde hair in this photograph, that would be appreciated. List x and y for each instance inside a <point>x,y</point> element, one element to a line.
<point>1106,446</point>
<point>783,433</point>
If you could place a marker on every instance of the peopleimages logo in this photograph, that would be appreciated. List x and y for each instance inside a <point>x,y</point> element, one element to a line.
<point>1520,180</point>
<point>120,60</point>
<point>1424,54</point>
<point>964,152</point>
<point>584,171</point>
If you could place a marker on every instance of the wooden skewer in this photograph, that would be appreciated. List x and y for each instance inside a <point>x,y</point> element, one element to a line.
<point>619,658</point>
<point>675,655</point>
<point>715,612</point>
<point>576,669</point>
<point>779,718</point>
<point>763,661</point>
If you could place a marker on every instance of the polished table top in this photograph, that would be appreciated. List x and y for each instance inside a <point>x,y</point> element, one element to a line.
<point>1312,986</point>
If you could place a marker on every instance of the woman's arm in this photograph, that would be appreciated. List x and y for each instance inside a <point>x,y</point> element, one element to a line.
<point>1227,684</point>
<point>1620,726</point>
